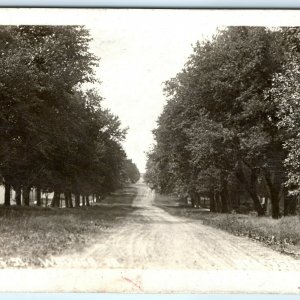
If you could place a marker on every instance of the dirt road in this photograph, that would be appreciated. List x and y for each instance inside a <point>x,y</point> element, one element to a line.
<point>152,251</point>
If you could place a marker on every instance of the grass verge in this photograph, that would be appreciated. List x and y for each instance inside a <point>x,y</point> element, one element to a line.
<point>31,234</point>
<point>282,235</point>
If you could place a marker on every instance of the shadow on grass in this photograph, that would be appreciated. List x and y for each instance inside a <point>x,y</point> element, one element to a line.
<point>123,198</point>
<point>34,233</point>
<point>178,207</point>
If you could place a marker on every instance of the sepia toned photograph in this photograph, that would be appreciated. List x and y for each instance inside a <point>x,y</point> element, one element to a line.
<point>150,151</point>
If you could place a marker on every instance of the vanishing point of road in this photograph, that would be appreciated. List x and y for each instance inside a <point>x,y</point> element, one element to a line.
<point>153,251</point>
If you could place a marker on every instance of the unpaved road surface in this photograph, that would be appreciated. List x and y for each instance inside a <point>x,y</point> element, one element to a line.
<point>152,251</point>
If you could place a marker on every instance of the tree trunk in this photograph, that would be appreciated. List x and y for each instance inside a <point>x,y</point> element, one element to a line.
<point>286,205</point>
<point>224,194</point>
<point>192,201</point>
<point>26,195</point>
<point>224,200</point>
<point>230,200</point>
<point>77,200</point>
<point>56,199</point>
<point>98,198</point>
<point>70,200</point>
<point>275,207</point>
<point>193,197</point>
<point>293,206</point>
<point>250,188</point>
<point>212,202</point>
<point>58,204</point>
<point>290,205</point>
<point>257,206</point>
<point>198,198</point>
<point>87,201</point>
<point>7,187</point>
<point>274,191</point>
<point>53,201</point>
<point>83,200</point>
<point>46,204</point>
<point>217,201</point>
<point>67,200</point>
<point>275,203</point>
<point>38,196</point>
<point>18,195</point>
<point>253,193</point>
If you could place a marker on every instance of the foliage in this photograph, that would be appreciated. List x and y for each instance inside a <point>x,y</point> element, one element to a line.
<point>218,126</point>
<point>131,172</point>
<point>286,92</point>
<point>55,135</point>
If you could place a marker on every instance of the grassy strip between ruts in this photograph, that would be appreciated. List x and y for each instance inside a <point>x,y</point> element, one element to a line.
<point>28,235</point>
<point>282,235</point>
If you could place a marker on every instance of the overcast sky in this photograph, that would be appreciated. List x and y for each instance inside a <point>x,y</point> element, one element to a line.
<point>139,50</point>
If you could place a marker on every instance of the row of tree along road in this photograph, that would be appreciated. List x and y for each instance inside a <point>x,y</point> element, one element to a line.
<point>230,130</point>
<point>55,135</point>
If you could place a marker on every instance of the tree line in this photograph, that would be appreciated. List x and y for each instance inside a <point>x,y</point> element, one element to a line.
<point>231,124</point>
<point>55,135</point>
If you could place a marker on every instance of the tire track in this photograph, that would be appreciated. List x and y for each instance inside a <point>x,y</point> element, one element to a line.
<point>152,238</point>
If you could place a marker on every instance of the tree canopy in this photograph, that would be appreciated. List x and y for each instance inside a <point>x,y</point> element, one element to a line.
<point>55,134</point>
<point>219,132</point>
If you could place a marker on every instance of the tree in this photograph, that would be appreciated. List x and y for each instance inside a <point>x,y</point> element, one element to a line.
<point>286,92</point>
<point>213,158</point>
<point>131,172</point>
<point>217,118</point>
<point>42,67</point>
<point>55,135</point>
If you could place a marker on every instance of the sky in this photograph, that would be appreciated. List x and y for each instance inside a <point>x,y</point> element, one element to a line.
<point>138,53</point>
<point>139,50</point>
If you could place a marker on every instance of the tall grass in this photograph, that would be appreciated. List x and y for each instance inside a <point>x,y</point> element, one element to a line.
<point>274,232</point>
<point>282,234</point>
